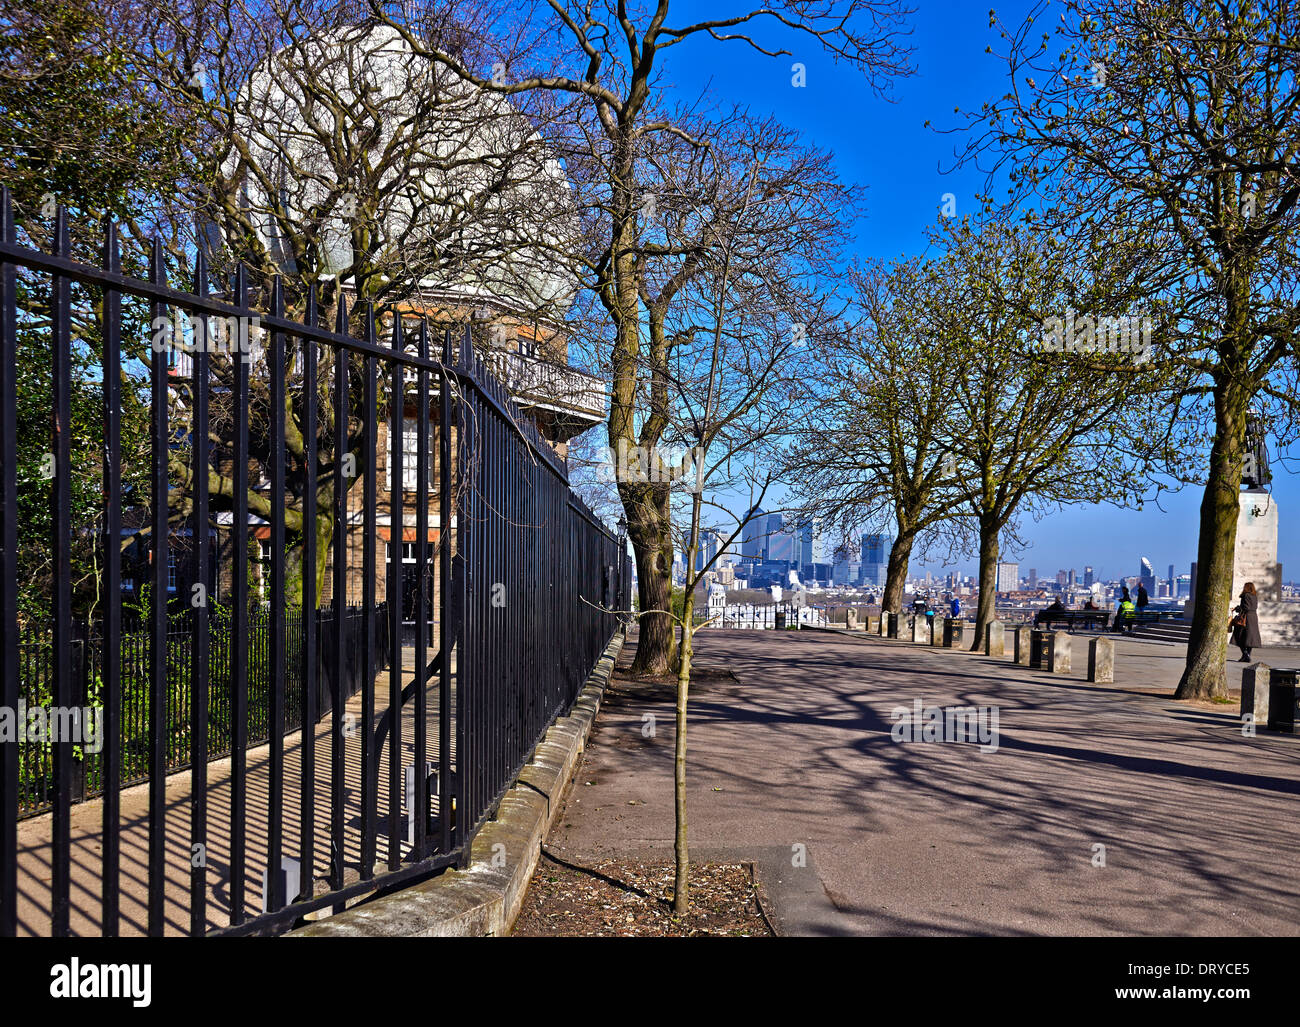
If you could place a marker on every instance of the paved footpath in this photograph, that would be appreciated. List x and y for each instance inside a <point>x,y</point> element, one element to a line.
<point>791,755</point>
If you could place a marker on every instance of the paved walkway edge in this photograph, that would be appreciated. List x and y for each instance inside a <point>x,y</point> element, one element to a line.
<point>484,899</point>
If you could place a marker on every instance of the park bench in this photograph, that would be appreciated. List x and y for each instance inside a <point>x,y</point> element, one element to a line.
<point>1071,619</point>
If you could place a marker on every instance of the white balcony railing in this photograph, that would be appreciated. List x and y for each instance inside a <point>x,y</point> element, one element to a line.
<point>540,383</point>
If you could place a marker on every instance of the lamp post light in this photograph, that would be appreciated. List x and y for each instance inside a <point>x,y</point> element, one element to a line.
<point>622,561</point>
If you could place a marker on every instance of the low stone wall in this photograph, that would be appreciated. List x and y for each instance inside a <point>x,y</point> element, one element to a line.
<point>485,898</point>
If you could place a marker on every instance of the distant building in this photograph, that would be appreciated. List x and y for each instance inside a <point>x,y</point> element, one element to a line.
<point>1070,580</point>
<point>780,540</point>
<point>1147,577</point>
<point>1183,586</point>
<point>1087,577</point>
<point>707,551</point>
<point>875,560</point>
<point>753,538</point>
<point>812,547</point>
<point>1008,577</point>
<point>1033,577</point>
<point>845,571</point>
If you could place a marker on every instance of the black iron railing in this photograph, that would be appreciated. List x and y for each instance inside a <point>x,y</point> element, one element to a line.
<point>35,762</point>
<point>521,585</point>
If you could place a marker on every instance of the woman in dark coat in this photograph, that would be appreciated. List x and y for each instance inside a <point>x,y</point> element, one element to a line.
<point>1246,636</point>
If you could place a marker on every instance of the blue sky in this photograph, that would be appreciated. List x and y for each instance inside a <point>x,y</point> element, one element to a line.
<point>886,147</point>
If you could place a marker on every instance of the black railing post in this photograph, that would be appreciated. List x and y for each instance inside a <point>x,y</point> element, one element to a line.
<point>338,755</point>
<point>446,604</point>
<point>9,571</point>
<point>160,444</point>
<point>421,612</point>
<point>238,654</point>
<point>199,615</point>
<point>369,770</point>
<point>310,606</point>
<point>110,766</point>
<point>396,536</point>
<point>275,897</point>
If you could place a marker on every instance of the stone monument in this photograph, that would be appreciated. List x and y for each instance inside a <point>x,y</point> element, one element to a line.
<point>1256,556</point>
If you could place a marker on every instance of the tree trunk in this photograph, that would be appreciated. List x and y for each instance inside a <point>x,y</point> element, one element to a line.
<point>681,878</point>
<point>986,610</point>
<point>900,553</point>
<point>1207,645</point>
<point>652,548</point>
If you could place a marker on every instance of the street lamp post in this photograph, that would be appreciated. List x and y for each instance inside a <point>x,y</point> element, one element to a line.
<point>622,562</point>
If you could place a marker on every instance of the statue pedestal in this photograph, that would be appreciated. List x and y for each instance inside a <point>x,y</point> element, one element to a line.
<point>1256,560</point>
<point>1256,557</point>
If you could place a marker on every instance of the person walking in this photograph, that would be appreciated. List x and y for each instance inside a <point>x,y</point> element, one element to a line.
<point>956,607</point>
<point>1142,598</point>
<point>1245,625</point>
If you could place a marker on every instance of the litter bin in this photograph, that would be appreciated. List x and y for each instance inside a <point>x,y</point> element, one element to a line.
<point>780,620</point>
<point>1281,700</point>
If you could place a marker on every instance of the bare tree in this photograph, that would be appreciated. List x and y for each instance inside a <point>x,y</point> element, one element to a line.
<point>1037,419</point>
<point>609,57</point>
<point>750,228</point>
<point>1174,123</point>
<point>871,450</point>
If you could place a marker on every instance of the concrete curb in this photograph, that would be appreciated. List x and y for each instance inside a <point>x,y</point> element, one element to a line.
<point>485,898</point>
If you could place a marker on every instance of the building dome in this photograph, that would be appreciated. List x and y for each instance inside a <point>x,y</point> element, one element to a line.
<point>365,144</point>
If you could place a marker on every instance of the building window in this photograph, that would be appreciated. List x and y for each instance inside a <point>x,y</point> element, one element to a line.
<point>171,572</point>
<point>410,457</point>
<point>408,552</point>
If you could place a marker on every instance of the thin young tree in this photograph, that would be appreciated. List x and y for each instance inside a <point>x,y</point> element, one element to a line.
<point>738,316</point>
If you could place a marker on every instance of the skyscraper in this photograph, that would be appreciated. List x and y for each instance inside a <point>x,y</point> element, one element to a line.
<point>1147,576</point>
<point>1033,577</point>
<point>811,555</point>
<point>1087,577</point>
<point>780,539</point>
<point>875,559</point>
<point>708,548</point>
<point>1008,577</point>
<point>753,539</point>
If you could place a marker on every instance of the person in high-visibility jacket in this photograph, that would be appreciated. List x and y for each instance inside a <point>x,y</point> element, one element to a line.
<point>1124,612</point>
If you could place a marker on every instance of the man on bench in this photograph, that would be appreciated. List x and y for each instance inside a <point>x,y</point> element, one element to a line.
<point>1058,614</point>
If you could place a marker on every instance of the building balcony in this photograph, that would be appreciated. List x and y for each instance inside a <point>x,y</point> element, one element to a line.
<point>574,399</point>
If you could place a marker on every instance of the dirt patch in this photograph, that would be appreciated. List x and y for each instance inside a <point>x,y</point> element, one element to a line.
<point>627,898</point>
